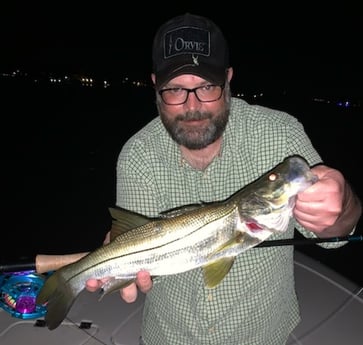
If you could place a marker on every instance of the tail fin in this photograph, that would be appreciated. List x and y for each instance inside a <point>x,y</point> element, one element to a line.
<point>58,297</point>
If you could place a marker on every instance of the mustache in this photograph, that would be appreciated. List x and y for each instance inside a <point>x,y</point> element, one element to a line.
<point>195,115</point>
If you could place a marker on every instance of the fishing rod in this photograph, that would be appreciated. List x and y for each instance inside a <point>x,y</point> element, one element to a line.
<point>43,263</point>
<point>309,241</point>
<point>21,281</point>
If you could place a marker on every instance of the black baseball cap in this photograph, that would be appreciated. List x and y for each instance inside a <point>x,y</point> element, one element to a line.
<point>190,44</point>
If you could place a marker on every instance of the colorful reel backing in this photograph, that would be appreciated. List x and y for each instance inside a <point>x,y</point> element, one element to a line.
<point>18,293</point>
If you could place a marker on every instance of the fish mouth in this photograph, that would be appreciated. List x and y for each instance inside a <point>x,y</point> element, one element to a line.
<point>295,186</point>
<point>305,181</point>
<point>301,173</point>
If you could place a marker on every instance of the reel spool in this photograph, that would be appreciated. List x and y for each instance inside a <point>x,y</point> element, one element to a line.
<point>18,293</point>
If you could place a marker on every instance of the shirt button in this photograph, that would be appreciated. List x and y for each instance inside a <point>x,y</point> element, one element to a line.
<point>211,330</point>
<point>210,297</point>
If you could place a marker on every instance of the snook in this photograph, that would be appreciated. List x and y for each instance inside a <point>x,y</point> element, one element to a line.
<point>208,236</point>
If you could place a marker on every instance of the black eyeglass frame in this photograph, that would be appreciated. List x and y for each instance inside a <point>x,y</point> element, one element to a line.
<point>194,90</point>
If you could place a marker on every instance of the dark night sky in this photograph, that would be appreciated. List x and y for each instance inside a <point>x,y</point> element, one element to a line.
<point>303,44</point>
<point>317,45</point>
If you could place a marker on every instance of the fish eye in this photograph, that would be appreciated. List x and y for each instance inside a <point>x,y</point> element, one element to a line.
<point>272,177</point>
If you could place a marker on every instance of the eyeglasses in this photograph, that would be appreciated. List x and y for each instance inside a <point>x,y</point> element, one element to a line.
<point>179,95</point>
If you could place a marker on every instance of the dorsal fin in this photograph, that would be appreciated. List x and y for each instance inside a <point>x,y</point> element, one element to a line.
<point>125,220</point>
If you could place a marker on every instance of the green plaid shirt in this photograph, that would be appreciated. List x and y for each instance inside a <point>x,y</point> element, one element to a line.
<point>256,302</point>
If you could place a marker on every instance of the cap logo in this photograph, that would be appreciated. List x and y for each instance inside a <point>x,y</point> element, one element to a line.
<point>187,40</point>
<point>195,60</point>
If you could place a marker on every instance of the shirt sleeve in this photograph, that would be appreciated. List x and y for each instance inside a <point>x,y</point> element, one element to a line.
<point>135,189</point>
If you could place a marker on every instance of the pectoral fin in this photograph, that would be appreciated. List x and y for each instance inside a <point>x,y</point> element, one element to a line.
<point>222,260</point>
<point>216,271</point>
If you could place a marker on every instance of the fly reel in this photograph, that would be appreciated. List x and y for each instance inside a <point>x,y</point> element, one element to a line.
<point>18,293</point>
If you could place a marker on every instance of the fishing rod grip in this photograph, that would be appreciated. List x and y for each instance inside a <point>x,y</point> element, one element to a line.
<point>45,263</point>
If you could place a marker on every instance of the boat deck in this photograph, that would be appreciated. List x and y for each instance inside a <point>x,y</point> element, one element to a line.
<point>331,309</point>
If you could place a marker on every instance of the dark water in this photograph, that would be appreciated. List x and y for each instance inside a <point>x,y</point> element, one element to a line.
<point>60,145</point>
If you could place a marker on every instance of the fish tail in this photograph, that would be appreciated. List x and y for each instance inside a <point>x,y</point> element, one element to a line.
<point>58,297</point>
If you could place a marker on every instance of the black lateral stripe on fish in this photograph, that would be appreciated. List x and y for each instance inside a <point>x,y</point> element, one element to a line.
<point>207,236</point>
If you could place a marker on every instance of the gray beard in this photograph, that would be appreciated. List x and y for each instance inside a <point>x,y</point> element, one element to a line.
<point>195,139</point>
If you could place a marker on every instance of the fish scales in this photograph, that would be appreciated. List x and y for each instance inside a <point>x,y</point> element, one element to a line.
<point>207,236</point>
